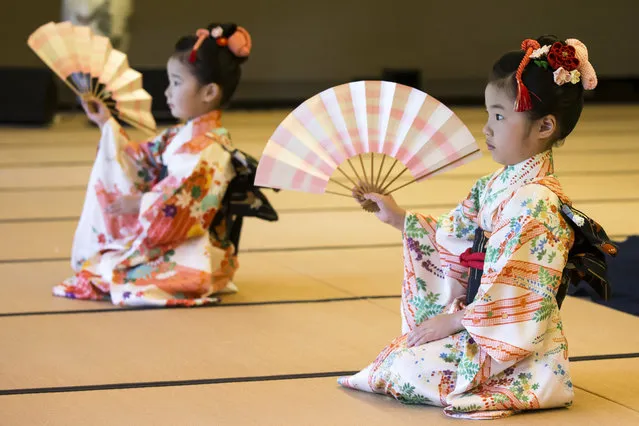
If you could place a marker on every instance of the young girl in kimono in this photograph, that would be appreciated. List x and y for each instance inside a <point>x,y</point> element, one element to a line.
<point>502,349</point>
<point>143,236</point>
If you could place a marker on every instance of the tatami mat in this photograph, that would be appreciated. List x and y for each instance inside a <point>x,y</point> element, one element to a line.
<point>282,325</point>
<point>57,203</point>
<point>261,278</point>
<point>616,380</point>
<point>74,175</point>
<point>181,344</point>
<point>29,240</point>
<point>591,329</point>
<point>328,336</point>
<point>289,402</point>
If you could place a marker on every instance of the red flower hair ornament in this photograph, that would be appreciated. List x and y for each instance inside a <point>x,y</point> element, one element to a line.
<point>568,61</point>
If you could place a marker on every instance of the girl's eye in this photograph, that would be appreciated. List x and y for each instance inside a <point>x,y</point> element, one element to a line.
<point>499,117</point>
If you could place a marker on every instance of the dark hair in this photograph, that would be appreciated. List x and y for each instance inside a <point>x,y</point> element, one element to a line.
<point>565,102</point>
<point>213,63</point>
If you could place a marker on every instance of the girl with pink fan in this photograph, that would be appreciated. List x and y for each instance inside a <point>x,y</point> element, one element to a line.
<point>482,333</point>
<point>144,234</point>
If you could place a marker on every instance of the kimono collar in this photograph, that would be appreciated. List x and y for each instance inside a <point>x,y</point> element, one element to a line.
<point>533,168</point>
<point>207,122</point>
<point>505,182</point>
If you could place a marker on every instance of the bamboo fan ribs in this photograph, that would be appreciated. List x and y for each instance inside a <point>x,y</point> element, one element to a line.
<point>363,131</point>
<point>95,71</point>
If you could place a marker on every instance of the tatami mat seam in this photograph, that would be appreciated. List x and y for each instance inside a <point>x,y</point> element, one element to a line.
<point>327,210</point>
<point>211,306</point>
<point>221,380</point>
<point>266,250</point>
<point>606,398</point>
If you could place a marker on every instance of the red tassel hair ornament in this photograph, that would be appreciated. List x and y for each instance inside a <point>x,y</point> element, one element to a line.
<point>523,102</point>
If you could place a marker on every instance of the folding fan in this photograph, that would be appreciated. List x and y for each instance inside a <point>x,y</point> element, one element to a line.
<point>95,71</point>
<point>359,123</point>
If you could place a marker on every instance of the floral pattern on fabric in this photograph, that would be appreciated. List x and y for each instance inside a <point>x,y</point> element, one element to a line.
<point>512,354</point>
<point>164,254</point>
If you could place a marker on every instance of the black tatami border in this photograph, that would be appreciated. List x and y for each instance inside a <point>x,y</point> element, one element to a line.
<point>242,379</point>
<point>208,306</point>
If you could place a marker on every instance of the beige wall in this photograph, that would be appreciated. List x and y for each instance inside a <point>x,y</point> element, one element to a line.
<point>334,40</point>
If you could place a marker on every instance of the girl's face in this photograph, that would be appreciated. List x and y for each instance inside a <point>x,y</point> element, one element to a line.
<point>186,97</point>
<point>511,136</point>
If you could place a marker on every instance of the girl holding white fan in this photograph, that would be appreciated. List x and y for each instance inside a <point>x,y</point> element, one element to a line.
<point>482,333</point>
<point>143,236</point>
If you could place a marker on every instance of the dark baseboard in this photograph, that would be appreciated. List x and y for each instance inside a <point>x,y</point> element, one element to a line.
<point>37,104</point>
<point>609,91</point>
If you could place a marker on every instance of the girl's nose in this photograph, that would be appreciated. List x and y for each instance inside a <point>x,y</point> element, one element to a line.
<point>486,130</point>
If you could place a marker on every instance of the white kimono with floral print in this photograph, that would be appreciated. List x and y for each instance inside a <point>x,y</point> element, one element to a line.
<point>512,354</point>
<point>162,255</point>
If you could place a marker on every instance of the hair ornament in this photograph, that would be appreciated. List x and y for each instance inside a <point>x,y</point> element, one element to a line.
<point>201,34</point>
<point>238,42</point>
<point>568,62</point>
<point>523,102</point>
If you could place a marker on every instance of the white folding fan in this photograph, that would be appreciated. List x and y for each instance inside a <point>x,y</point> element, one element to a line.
<point>361,122</point>
<point>95,71</point>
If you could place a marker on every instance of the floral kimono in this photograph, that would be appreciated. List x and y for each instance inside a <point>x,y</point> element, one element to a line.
<point>163,255</point>
<point>512,354</point>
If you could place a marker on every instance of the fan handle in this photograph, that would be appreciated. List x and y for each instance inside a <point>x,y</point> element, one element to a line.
<point>367,188</point>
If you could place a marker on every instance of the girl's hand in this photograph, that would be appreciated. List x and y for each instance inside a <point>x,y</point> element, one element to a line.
<point>127,204</point>
<point>436,328</point>
<point>97,112</point>
<point>389,212</point>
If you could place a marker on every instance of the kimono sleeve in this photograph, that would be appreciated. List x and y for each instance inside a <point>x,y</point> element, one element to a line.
<point>434,278</point>
<point>515,307</point>
<point>187,204</point>
<point>422,231</point>
<point>141,161</point>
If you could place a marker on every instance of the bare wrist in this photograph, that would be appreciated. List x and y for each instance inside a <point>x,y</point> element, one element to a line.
<point>458,317</point>
<point>400,220</point>
<point>105,122</point>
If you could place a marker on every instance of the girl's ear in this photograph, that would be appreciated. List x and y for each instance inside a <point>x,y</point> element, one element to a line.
<point>547,126</point>
<point>210,93</point>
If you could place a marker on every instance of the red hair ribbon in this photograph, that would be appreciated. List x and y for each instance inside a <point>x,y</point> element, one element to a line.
<point>523,102</point>
<point>201,34</point>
